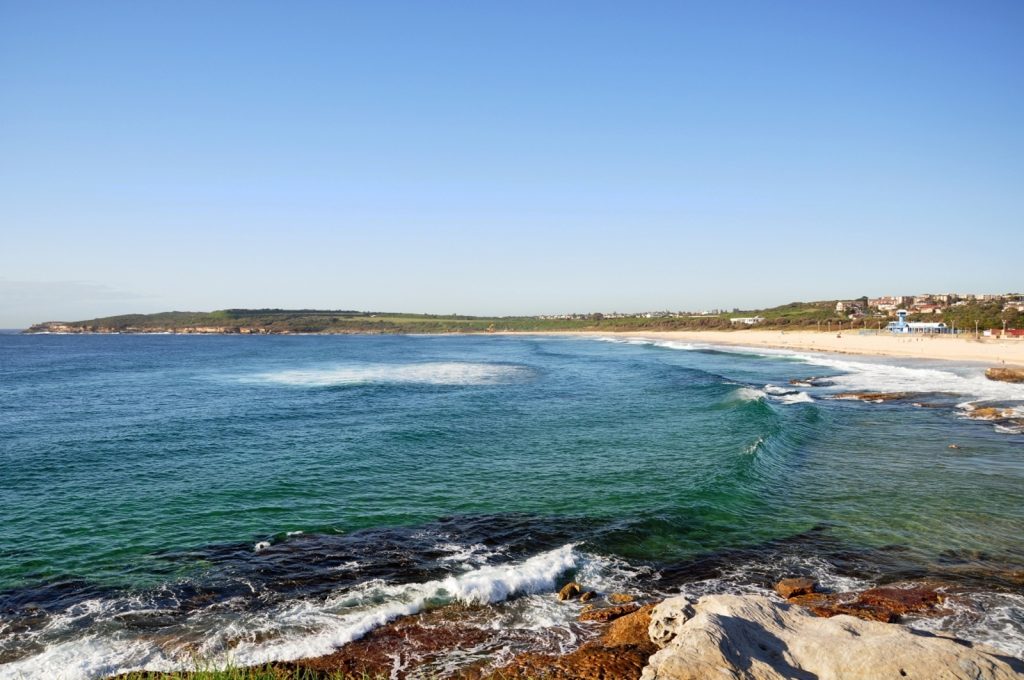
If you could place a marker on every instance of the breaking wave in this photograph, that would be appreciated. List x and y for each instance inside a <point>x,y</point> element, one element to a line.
<point>772,393</point>
<point>869,375</point>
<point>296,628</point>
<point>435,373</point>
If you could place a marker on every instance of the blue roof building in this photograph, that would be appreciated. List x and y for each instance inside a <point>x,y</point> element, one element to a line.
<point>901,325</point>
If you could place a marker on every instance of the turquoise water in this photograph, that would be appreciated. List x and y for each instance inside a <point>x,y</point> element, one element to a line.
<point>277,496</point>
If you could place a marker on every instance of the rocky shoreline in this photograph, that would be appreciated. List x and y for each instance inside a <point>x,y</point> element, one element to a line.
<point>806,632</point>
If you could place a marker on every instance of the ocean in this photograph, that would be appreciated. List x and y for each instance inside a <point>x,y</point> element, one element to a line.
<point>165,498</point>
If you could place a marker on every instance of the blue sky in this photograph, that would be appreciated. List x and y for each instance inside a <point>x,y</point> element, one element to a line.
<point>504,158</point>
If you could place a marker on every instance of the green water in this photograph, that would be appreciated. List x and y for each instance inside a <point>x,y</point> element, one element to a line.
<point>135,465</point>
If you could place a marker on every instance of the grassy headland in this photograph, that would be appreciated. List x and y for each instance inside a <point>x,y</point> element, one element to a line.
<point>795,315</point>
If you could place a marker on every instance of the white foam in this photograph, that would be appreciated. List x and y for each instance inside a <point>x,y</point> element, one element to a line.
<point>434,373</point>
<point>787,396</point>
<point>470,555</point>
<point>749,394</point>
<point>880,376</point>
<point>796,398</point>
<point>773,393</point>
<point>380,603</point>
<point>994,619</point>
<point>297,629</point>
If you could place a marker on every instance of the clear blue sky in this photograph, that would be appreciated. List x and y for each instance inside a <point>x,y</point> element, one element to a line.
<point>516,157</point>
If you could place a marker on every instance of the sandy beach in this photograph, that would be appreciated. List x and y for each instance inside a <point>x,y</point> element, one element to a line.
<point>993,351</point>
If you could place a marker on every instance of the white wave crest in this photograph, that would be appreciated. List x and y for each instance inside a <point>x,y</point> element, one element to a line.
<point>749,394</point>
<point>772,393</point>
<point>875,376</point>
<point>354,614</point>
<point>301,628</point>
<point>434,373</point>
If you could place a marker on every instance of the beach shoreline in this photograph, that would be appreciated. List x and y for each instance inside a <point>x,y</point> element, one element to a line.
<point>991,351</point>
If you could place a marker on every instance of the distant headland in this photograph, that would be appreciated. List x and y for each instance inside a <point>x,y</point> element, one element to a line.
<point>972,314</point>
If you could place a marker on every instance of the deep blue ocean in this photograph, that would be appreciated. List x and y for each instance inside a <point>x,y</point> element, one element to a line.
<point>165,497</point>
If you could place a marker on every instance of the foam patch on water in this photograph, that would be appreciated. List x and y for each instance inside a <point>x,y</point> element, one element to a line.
<point>467,555</point>
<point>435,373</point>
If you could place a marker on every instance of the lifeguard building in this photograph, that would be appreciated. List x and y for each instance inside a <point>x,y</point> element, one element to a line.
<point>901,325</point>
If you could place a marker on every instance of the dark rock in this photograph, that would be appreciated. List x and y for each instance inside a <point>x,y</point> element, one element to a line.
<point>813,381</point>
<point>887,604</point>
<point>569,591</point>
<point>791,587</point>
<point>874,397</point>
<point>1004,374</point>
<point>902,600</point>
<point>989,413</point>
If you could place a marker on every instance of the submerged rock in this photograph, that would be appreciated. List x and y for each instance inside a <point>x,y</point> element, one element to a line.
<point>620,598</point>
<point>791,587</point>
<point>751,637</point>
<point>874,397</point>
<point>813,381</point>
<point>989,413</point>
<point>902,600</point>
<point>886,604</point>
<point>1004,374</point>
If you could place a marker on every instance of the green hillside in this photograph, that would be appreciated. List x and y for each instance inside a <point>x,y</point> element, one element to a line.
<point>261,321</point>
